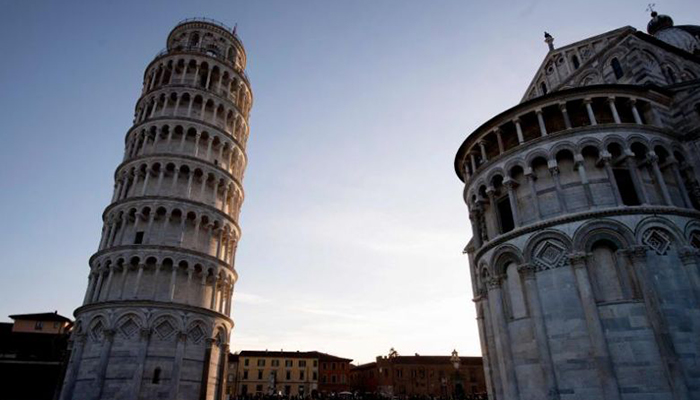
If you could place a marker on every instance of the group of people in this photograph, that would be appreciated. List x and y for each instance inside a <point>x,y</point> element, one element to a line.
<point>355,396</point>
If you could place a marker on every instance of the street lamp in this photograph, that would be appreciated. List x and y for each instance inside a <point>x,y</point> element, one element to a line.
<point>456,363</point>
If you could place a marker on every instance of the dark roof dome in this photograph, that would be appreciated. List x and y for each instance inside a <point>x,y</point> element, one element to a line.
<point>658,22</point>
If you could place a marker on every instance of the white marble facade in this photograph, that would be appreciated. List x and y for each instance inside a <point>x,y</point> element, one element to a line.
<point>155,322</point>
<point>584,202</point>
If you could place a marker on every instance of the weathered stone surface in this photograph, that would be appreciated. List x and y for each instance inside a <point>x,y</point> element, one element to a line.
<point>156,315</point>
<point>596,211</point>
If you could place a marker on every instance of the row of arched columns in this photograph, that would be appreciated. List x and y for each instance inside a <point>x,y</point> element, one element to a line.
<point>202,74</point>
<point>194,106</point>
<point>576,176</point>
<point>176,179</point>
<point>164,225</point>
<point>541,120</point>
<point>187,141</point>
<point>159,281</point>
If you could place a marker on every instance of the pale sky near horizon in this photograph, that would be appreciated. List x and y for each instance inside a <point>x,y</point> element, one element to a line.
<point>353,222</point>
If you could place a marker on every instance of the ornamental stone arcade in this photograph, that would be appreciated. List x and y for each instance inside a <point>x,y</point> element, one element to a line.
<point>155,321</point>
<point>583,201</point>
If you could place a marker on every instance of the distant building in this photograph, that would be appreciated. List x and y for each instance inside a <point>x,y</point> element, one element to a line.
<point>48,323</point>
<point>233,379</point>
<point>404,376</point>
<point>31,353</point>
<point>334,374</point>
<point>292,373</point>
<point>364,378</point>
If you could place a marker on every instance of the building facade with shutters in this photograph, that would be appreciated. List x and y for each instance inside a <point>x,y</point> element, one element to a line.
<point>448,377</point>
<point>583,201</point>
<point>290,373</point>
<point>155,322</point>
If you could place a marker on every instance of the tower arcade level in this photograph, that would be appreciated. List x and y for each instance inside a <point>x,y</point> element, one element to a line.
<point>155,321</point>
<point>583,201</point>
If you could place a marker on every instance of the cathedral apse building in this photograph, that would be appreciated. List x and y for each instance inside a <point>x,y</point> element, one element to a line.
<point>155,322</point>
<point>583,201</point>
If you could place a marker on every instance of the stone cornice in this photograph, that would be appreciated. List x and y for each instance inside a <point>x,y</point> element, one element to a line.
<point>590,214</point>
<point>113,305</point>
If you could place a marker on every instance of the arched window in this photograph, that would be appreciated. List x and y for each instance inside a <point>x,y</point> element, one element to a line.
<point>543,87</point>
<point>617,68</point>
<point>575,61</point>
<point>514,287</point>
<point>156,376</point>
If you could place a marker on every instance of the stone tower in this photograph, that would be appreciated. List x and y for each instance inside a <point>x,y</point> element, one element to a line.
<point>155,322</point>
<point>584,202</point>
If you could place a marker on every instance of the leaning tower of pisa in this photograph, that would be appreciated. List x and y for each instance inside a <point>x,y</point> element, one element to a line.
<point>584,203</point>
<point>155,321</point>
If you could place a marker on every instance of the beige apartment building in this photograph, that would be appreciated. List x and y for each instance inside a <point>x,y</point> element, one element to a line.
<point>291,373</point>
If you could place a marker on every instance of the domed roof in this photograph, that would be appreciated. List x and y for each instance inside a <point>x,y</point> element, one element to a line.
<point>681,38</point>
<point>658,22</point>
<point>684,37</point>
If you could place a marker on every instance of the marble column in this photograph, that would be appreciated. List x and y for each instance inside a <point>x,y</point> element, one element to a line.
<point>510,185</point>
<point>482,146</point>
<point>613,110</point>
<point>605,158</point>
<point>638,257</point>
<point>177,365</point>
<point>540,122</point>
<point>502,338</point>
<point>204,382</point>
<point>499,140</point>
<point>599,343</point>
<point>88,293</point>
<point>540,329</point>
<point>533,192</point>
<point>103,362</point>
<point>519,131</point>
<point>635,112</point>
<point>73,366</point>
<point>636,178</point>
<point>589,109</point>
<point>673,164</point>
<point>144,341</point>
<point>485,350</point>
<point>492,353</point>
<point>554,171</point>
<point>496,215</point>
<point>579,165</point>
<point>653,160</point>
<point>565,115</point>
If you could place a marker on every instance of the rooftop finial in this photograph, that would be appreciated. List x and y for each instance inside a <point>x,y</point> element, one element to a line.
<point>650,8</point>
<point>549,40</point>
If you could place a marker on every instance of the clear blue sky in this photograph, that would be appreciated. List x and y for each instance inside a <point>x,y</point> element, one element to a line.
<point>353,222</point>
